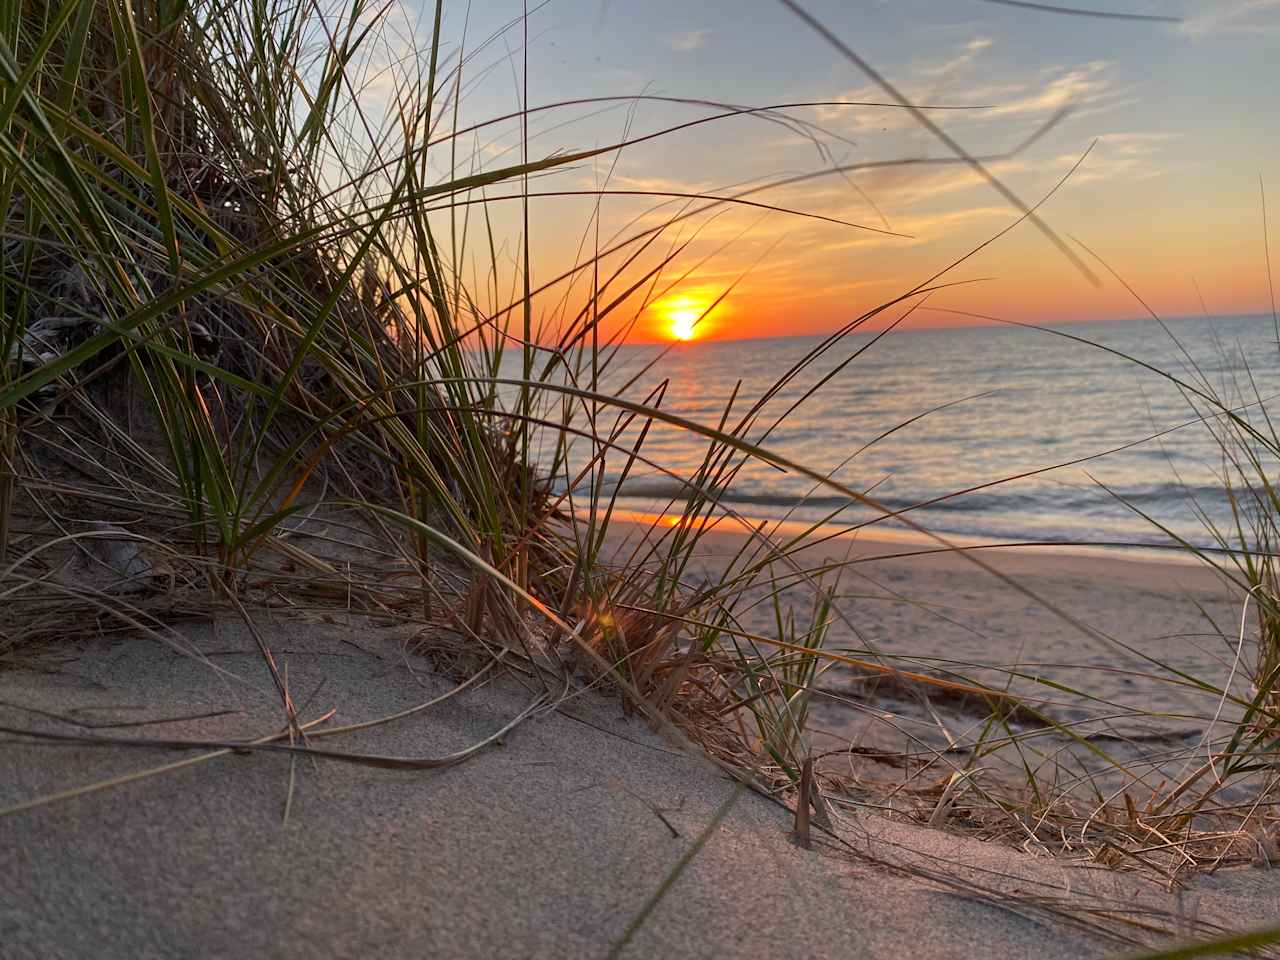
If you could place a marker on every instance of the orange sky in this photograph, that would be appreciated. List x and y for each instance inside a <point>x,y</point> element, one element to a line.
<point>1178,117</point>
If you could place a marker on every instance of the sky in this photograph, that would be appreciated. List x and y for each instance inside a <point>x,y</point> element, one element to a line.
<point>1178,122</point>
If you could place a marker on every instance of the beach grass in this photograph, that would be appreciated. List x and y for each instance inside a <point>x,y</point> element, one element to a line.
<point>261,308</point>
<point>237,306</point>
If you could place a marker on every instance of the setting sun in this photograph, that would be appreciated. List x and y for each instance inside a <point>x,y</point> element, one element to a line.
<point>684,316</point>
<point>683,323</point>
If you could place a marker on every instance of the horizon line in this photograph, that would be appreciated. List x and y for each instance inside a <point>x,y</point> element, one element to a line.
<point>1260,315</point>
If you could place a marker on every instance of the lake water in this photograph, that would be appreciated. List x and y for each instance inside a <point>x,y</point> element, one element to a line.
<point>917,416</point>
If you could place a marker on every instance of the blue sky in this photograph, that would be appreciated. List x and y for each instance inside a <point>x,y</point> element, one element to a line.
<point>1183,114</point>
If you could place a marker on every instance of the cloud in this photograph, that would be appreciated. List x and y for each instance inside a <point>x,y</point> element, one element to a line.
<point>865,121</point>
<point>1087,88</point>
<point>1233,16</point>
<point>906,186</point>
<point>1085,84</point>
<point>957,64</point>
<point>921,229</point>
<point>930,77</point>
<point>624,180</point>
<point>689,40</point>
<point>1129,156</point>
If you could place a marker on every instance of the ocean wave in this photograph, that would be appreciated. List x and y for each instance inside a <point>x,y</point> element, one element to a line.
<point>1064,405</point>
<point>1052,497</point>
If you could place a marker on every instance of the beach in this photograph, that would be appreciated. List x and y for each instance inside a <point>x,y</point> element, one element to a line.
<point>1099,641</point>
<point>554,839</point>
<point>536,480</point>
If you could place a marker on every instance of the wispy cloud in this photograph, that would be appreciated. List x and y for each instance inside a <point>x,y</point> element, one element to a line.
<point>689,40</point>
<point>1128,156</point>
<point>958,63</point>
<point>1077,86</point>
<point>921,229</point>
<point>1086,87</point>
<point>1233,16</point>
<point>907,186</point>
<point>926,80</point>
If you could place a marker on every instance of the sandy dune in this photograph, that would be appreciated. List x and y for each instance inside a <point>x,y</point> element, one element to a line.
<point>550,843</point>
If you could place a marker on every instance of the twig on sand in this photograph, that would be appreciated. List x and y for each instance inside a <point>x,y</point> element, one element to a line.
<point>123,779</point>
<point>360,759</point>
<point>802,804</point>
<point>116,724</point>
<point>238,748</point>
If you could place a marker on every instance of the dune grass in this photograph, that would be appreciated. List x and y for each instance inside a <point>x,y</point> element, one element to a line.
<point>247,355</point>
<point>261,309</point>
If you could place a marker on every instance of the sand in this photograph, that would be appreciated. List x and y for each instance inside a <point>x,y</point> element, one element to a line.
<point>1128,628</point>
<point>552,842</point>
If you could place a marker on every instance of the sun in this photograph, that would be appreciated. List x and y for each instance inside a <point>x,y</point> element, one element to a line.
<point>684,316</point>
<point>684,323</point>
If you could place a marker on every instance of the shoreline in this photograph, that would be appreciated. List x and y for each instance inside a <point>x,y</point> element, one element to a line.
<point>1098,644</point>
<point>891,541</point>
<point>585,813</point>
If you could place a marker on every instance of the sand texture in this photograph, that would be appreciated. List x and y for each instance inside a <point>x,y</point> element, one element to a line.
<point>1100,643</point>
<point>548,844</point>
